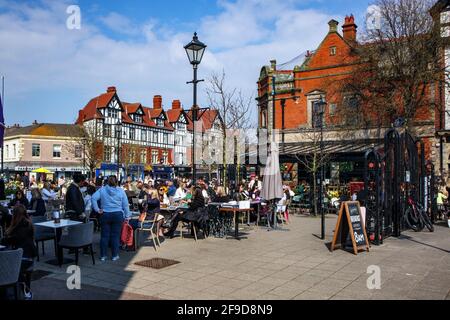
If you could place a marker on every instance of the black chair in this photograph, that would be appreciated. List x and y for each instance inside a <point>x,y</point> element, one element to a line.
<point>79,237</point>
<point>42,234</point>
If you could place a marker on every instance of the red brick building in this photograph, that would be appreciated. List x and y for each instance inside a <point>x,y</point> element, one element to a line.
<point>287,100</point>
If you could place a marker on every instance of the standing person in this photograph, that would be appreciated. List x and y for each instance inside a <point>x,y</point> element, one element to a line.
<point>114,211</point>
<point>74,199</point>
<point>99,180</point>
<point>26,180</point>
<point>20,234</point>
<point>61,185</point>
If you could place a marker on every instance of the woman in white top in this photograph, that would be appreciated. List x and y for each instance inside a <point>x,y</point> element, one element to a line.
<point>180,194</point>
<point>47,193</point>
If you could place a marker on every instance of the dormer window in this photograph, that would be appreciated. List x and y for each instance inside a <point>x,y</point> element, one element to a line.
<point>333,51</point>
<point>160,122</point>
<point>137,118</point>
<point>181,126</point>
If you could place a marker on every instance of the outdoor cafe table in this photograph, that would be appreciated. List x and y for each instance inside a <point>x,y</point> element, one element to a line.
<point>64,223</point>
<point>236,211</point>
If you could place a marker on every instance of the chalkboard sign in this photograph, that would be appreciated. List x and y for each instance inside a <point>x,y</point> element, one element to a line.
<point>350,225</point>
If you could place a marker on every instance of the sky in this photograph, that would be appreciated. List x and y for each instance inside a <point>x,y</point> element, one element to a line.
<point>52,71</point>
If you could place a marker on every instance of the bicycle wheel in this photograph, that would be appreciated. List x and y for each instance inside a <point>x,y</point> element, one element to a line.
<point>411,221</point>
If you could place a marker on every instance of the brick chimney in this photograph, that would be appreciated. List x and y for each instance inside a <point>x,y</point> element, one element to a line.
<point>111,89</point>
<point>350,28</point>
<point>176,104</point>
<point>157,102</point>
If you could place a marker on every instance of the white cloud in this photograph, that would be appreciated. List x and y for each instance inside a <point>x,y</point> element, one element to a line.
<point>119,23</point>
<point>40,55</point>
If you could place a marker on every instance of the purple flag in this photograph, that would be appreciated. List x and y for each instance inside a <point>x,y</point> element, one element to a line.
<point>2,123</point>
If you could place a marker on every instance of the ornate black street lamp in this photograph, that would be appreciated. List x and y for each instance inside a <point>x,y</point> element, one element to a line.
<point>194,50</point>
<point>319,110</point>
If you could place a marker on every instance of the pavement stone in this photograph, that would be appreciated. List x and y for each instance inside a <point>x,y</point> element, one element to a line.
<point>284,264</point>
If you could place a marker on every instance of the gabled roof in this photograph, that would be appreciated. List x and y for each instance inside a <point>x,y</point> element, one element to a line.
<point>91,110</point>
<point>208,117</point>
<point>174,115</point>
<point>131,108</point>
<point>151,114</point>
<point>47,130</point>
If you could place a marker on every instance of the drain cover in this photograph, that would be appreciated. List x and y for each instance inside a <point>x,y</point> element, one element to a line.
<point>157,263</point>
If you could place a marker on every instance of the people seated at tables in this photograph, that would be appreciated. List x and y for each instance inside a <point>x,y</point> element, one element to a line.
<point>151,208</point>
<point>37,204</point>
<point>196,202</point>
<point>19,198</point>
<point>20,234</point>
<point>74,199</point>
<point>114,210</point>
<point>171,189</point>
<point>242,194</point>
<point>205,194</point>
<point>221,195</point>
<point>163,198</point>
<point>180,193</point>
<point>47,192</point>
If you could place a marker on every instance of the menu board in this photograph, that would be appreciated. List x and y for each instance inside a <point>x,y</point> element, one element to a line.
<point>350,225</point>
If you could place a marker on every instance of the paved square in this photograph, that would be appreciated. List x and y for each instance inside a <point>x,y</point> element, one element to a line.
<point>292,263</point>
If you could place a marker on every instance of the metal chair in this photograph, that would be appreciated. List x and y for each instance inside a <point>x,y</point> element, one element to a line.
<point>42,234</point>
<point>79,237</point>
<point>152,227</point>
<point>10,262</point>
<point>186,226</point>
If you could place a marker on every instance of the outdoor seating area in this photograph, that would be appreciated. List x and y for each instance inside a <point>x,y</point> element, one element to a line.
<point>80,216</point>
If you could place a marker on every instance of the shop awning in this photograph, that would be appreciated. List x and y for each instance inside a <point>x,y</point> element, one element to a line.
<point>330,147</point>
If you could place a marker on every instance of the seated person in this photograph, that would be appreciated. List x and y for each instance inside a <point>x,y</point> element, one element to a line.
<point>197,202</point>
<point>19,198</point>
<point>163,198</point>
<point>221,196</point>
<point>150,209</point>
<point>37,203</point>
<point>242,194</point>
<point>47,192</point>
<point>20,234</point>
<point>180,193</point>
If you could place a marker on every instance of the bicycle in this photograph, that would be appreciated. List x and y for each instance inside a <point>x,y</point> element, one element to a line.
<point>416,218</point>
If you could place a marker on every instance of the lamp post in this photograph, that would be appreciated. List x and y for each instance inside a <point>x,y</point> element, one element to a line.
<point>119,139</point>
<point>319,109</point>
<point>194,50</point>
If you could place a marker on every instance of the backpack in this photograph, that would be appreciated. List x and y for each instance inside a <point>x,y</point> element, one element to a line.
<point>126,235</point>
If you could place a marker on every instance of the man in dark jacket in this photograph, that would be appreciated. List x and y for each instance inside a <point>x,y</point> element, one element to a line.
<point>74,199</point>
<point>26,180</point>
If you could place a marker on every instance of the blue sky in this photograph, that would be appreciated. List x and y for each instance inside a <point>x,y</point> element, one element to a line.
<point>52,72</point>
